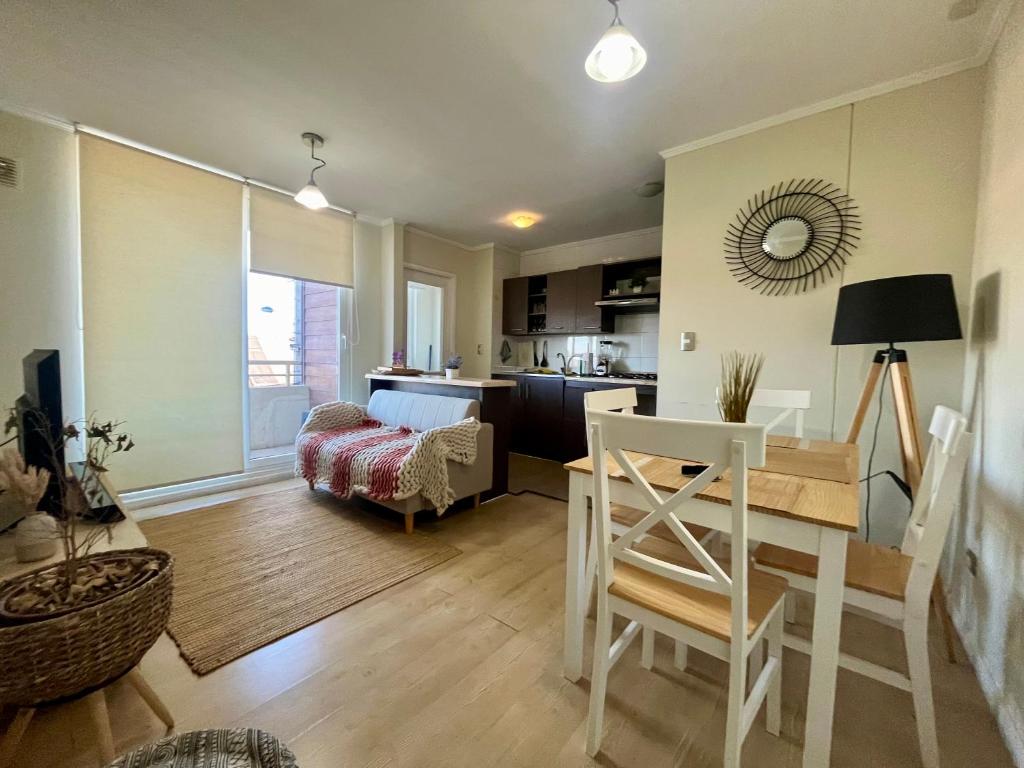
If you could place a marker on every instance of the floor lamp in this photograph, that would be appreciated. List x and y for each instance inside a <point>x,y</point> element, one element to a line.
<point>891,311</point>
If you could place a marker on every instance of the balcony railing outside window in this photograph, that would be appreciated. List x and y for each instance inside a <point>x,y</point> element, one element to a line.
<point>275,373</point>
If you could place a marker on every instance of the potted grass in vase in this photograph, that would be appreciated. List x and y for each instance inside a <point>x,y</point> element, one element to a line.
<point>739,379</point>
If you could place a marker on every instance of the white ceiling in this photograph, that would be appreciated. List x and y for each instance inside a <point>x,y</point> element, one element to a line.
<point>448,114</point>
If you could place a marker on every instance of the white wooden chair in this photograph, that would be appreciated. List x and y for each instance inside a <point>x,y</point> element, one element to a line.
<point>623,517</point>
<point>793,402</point>
<point>894,586</point>
<point>699,604</point>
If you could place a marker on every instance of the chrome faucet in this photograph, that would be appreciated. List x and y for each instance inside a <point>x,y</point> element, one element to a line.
<point>565,363</point>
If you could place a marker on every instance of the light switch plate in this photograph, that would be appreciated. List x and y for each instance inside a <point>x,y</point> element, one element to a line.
<point>687,341</point>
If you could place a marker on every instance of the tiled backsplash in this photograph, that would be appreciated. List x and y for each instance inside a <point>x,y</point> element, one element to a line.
<point>634,348</point>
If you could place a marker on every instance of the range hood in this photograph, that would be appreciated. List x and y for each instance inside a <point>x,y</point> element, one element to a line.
<point>644,301</point>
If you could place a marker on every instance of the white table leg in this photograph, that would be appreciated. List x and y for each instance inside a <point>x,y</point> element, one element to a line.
<point>828,613</point>
<point>575,578</point>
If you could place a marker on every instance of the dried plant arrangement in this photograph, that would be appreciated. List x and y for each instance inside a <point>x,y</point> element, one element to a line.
<point>78,579</point>
<point>22,484</point>
<point>739,379</point>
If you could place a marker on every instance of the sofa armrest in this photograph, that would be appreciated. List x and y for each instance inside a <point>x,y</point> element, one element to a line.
<point>469,479</point>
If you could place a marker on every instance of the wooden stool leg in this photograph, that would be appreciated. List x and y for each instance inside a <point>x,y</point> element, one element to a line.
<point>148,695</point>
<point>12,738</point>
<point>97,703</point>
<point>410,520</point>
<point>312,485</point>
<point>948,630</point>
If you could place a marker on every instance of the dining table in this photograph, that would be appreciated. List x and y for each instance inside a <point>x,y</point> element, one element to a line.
<point>805,498</point>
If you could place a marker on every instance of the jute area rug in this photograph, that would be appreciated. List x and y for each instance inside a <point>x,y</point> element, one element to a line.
<point>251,571</point>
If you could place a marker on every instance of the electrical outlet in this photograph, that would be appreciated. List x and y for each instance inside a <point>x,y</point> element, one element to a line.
<point>972,562</point>
<point>479,349</point>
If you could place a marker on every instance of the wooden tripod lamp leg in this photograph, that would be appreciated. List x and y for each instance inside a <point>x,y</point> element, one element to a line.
<point>877,366</point>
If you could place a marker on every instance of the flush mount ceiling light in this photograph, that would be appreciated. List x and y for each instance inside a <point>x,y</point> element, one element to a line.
<point>310,195</point>
<point>617,56</point>
<point>523,221</point>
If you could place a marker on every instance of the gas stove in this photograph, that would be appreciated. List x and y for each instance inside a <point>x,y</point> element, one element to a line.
<point>636,376</point>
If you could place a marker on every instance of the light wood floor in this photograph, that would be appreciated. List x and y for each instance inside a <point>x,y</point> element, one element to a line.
<point>461,666</point>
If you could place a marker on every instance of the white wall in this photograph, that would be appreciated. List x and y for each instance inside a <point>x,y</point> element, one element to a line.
<point>625,246</point>
<point>505,263</point>
<point>473,290</point>
<point>39,297</point>
<point>989,608</point>
<point>366,344</point>
<point>909,160</point>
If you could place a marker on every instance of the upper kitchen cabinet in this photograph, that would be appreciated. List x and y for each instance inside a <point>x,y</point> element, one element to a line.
<point>590,289</point>
<point>515,306</point>
<point>561,302</point>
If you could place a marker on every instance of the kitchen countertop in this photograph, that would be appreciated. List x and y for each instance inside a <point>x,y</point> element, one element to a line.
<point>589,379</point>
<point>461,382</point>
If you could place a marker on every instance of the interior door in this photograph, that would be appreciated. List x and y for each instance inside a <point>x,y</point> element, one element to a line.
<point>429,332</point>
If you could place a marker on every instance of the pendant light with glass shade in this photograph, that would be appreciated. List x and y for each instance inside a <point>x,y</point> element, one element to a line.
<point>617,56</point>
<point>310,195</point>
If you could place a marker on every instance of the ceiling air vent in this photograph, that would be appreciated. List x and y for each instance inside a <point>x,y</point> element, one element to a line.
<point>9,176</point>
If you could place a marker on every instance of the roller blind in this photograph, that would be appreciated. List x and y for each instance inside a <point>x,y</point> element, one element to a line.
<point>162,273</point>
<point>292,241</point>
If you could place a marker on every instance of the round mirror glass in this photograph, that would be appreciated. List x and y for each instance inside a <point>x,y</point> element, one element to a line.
<point>786,238</point>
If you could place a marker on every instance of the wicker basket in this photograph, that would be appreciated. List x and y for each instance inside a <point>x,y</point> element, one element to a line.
<point>58,658</point>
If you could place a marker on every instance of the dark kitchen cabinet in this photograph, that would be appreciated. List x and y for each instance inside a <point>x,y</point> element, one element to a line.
<point>514,306</point>
<point>561,302</point>
<point>590,288</point>
<point>574,421</point>
<point>542,416</point>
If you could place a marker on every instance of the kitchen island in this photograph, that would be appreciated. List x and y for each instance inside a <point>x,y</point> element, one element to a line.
<point>494,396</point>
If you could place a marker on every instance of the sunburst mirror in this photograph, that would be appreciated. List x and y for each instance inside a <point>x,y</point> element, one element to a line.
<point>792,237</point>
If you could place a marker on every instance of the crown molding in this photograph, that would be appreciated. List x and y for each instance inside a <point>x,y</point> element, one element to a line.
<point>447,241</point>
<point>375,221</point>
<point>594,240</point>
<point>36,116</point>
<point>988,42</point>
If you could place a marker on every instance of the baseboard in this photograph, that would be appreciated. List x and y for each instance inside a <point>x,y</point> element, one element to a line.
<point>138,501</point>
<point>1007,718</point>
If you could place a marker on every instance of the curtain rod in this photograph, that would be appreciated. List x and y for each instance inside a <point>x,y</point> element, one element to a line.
<point>113,137</point>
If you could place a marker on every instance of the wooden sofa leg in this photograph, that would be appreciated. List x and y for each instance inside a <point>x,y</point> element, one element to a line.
<point>409,521</point>
<point>476,500</point>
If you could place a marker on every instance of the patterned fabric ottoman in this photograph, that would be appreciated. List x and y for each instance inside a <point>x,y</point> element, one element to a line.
<point>237,748</point>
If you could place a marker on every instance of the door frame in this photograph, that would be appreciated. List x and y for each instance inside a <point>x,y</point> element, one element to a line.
<point>447,282</point>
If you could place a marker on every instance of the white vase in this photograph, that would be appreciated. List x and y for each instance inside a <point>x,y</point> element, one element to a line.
<point>35,538</point>
<point>451,373</point>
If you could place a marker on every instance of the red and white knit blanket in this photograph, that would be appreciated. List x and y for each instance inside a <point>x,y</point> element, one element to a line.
<point>341,447</point>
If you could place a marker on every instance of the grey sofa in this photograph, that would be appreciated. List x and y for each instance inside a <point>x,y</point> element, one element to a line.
<point>423,412</point>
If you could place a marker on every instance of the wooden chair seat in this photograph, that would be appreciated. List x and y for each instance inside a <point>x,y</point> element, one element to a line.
<point>700,609</point>
<point>628,516</point>
<point>869,567</point>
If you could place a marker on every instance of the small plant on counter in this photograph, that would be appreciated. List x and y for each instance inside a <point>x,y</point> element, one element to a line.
<point>637,284</point>
<point>454,363</point>
<point>739,378</point>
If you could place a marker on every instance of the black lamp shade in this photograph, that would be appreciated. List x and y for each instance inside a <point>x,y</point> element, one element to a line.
<point>897,309</point>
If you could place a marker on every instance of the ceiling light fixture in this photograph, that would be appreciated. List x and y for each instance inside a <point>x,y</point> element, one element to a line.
<point>523,221</point>
<point>310,195</point>
<point>617,56</point>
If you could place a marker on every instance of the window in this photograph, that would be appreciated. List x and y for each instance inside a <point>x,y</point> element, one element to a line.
<point>295,353</point>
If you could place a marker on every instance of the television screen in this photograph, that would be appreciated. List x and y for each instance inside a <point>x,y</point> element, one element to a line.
<point>41,420</point>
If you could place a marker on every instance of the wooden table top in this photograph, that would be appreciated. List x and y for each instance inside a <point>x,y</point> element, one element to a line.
<point>813,481</point>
